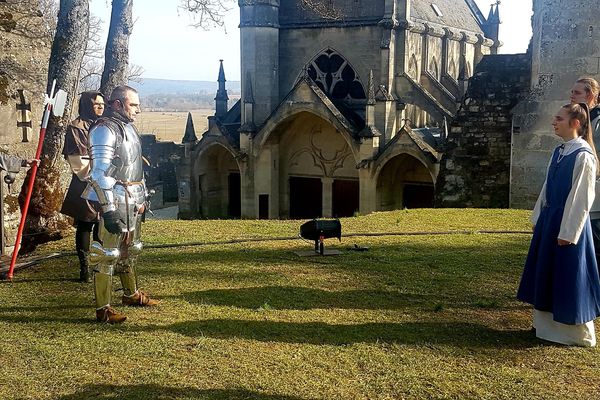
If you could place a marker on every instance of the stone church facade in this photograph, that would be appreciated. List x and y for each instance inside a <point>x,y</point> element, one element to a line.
<point>336,116</point>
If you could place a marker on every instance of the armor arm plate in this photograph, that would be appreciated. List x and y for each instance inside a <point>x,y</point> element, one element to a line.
<point>102,152</point>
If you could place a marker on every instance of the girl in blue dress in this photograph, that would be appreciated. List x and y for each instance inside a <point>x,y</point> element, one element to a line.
<point>561,278</point>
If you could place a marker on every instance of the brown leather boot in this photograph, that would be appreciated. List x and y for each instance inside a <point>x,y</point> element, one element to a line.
<point>110,315</point>
<point>139,299</point>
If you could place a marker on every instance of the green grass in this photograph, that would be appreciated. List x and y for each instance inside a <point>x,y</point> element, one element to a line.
<point>415,317</point>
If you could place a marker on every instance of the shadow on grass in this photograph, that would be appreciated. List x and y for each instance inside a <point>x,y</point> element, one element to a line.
<point>156,392</point>
<point>478,252</point>
<point>53,319</point>
<point>19,280</point>
<point>59,308</point>
<point>465,335</point>
<point>304,298</point>
<point>451,270</point>
<point>470,251</point>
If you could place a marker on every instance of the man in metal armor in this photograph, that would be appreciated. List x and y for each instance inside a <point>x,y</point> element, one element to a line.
<point>116,182</point>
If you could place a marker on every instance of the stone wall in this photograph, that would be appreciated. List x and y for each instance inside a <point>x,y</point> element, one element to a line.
<point>160,173</point>
<point>565,46</point>
<point>24,53</point>
<point>475,169</point>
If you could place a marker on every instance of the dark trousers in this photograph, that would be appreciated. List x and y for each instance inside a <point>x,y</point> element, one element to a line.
<point>596,236</point>
<point>83,236</point>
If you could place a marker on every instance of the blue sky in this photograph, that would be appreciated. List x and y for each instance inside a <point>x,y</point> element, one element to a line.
<point>166,46</point>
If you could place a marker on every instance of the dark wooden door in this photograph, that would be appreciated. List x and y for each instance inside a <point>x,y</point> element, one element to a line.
<point>417,196</point>
<point>345,198</point>
<point>306,198</point>
<point>234,208</point>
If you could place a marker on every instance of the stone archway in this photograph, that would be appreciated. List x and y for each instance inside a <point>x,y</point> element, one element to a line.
<point>217,183</point>
<point>404,182</point>
<point>308,169</point>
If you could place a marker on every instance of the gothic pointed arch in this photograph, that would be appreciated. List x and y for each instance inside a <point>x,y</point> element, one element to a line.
<point>413,68</point>
<point>434,68</point>
<point>336,77</point>
<point>452,70</point>
<point>215,180</point>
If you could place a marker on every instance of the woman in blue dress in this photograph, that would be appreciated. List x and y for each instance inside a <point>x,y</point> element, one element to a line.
<point>561,278</point>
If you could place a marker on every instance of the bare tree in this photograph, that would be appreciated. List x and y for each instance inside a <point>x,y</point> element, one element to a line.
<point>44,222</point>
<point>207,13</point>
<point>91,66</point>
<point>134,73</point>
<point>49,12</point>
<point>211,13</point>
<point>116,55</point>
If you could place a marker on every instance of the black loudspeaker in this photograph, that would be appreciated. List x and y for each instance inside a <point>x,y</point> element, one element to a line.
<point>319,229</point>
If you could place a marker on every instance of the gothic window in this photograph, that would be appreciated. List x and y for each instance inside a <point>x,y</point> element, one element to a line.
<point>433,68</point>
<point>356,8</point>
<point>413,67</point>
<point>452,69</point>
<point>336,77</point>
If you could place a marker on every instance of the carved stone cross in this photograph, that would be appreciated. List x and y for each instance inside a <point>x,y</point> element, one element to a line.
<point>24,122</point>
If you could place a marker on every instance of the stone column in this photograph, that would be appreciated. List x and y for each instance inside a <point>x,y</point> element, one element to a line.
<point>185,184</point>
<point>327,197</point>
<point>246,163</point>
<point>368,191</point>
<point>274,196</point>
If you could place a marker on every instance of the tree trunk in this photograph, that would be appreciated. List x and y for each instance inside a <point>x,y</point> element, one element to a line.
<point>116,56</point>
<point>44,222</point>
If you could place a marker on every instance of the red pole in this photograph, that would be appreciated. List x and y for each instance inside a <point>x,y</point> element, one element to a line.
<point>34,169</point>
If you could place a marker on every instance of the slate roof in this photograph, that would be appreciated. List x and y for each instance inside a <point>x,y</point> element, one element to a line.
<point>350,114</point>
<point>424,138</point>
<point>461,14</point>
<point>425,141</point>
<point>431,136</point>
<point>230,124</point>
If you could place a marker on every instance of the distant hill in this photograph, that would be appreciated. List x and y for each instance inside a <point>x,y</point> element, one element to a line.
<point>171,95</point>
<point>150,87</point>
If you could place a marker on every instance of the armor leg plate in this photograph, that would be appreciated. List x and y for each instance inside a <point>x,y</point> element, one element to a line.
<point>103,257</point>
<point>102,288</point>
<point>128,277</point>
<point>126,267</point>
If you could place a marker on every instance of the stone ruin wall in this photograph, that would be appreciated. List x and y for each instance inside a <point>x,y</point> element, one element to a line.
<point>565,46</point>
<point>160,172</point>
<point>24,53</point>
<point>474,171</point>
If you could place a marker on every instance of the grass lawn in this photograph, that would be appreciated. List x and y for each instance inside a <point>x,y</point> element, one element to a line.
<point>414,317</point>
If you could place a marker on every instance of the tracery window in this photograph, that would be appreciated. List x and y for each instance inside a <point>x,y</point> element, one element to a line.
<point>452,69</point>
<point>413,67</point>
<point>433,68</point>
<point>336,77</point>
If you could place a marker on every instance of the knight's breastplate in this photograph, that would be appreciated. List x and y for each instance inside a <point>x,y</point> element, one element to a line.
<point>128,158</point>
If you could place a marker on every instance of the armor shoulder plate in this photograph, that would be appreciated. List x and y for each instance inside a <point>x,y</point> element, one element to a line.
<point>102,135</point>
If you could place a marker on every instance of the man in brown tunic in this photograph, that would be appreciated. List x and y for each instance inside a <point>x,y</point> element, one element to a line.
<point>84,212</point>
